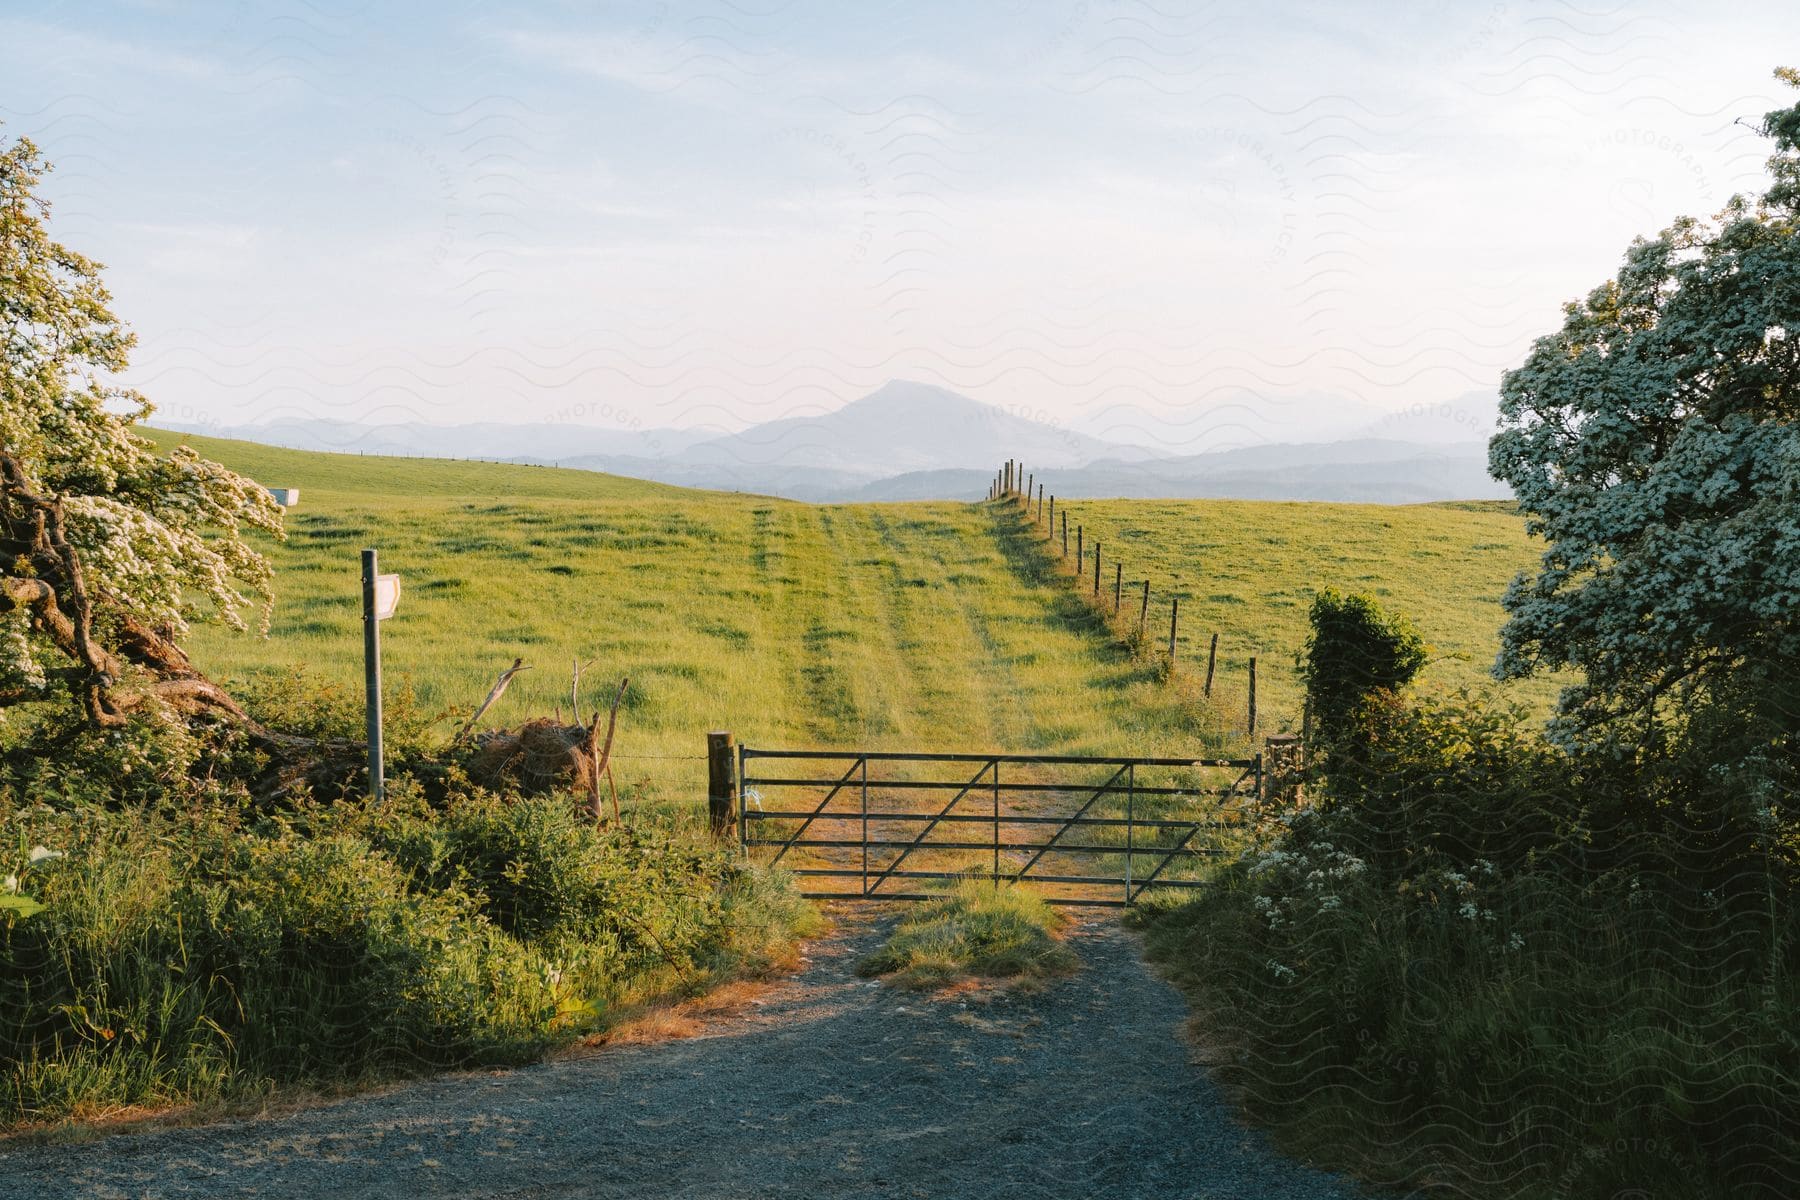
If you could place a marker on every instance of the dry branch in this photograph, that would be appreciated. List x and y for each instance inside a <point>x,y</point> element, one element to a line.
<point>494,694</point>
<point>602,759</point>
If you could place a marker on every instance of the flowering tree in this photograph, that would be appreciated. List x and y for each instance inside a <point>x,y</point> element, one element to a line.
<point>107,548</point>
<point>1653,442</point>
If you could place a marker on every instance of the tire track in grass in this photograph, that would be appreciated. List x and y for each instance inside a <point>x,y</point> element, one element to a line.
<point>839,701</point>
<point>912,614</point>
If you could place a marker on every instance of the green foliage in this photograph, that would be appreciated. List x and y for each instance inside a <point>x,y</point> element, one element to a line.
<point>1654,442</point>
<point>1444,781</point>
<point>1490,1033</point>
<point>161,540</point>
<point>1356,650</point>
<point>975,929</point>
<point>1482,964</point>
<point>201,954</point>
<point>603,901</point>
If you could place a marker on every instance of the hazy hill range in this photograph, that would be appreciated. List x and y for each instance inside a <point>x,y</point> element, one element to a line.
<point>916,441</point>
<point>1366,470</point>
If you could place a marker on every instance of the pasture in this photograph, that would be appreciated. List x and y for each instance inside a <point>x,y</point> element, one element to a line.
<point>1248,569</point>
<point>884,626</point>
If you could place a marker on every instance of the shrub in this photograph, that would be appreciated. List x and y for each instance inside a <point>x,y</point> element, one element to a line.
<point>1355,650</point>
<point>1481,964</point>
<point>215,952</point>
<point>174,963</point>
<point>606,904</point>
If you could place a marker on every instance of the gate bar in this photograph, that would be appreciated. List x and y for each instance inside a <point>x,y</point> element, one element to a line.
<point>815,812</point>
<point>1078,813</point>
<point>960,818</point>
<point>1047,759</point>
<point>944,785</point>
<point>1167,859</point>
<point>967,788</point>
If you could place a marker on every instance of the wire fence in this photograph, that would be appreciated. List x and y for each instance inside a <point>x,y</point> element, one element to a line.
<point>1012,484</point>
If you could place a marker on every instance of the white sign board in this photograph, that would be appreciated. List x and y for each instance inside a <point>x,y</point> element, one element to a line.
<point>387,596</point>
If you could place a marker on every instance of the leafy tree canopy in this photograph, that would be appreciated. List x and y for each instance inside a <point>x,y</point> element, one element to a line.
<point>1652,441</point>
<point>107,548</point>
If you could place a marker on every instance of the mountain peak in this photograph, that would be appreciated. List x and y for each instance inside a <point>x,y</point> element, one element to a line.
<point>912,395</point>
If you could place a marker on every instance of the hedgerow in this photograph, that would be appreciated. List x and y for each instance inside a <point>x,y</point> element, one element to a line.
<point>210,952</point>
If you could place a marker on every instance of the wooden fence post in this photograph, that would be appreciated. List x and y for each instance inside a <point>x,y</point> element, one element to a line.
<point>1118,585</point>
<point>1040,512</point>
<point>1096,569</point>
<point>721,782</point>
<point>1253,695</point>
<point>1052,525</point>
<point>1212,657</point>
<point>1284,774</point>
<point>1030,483</point>
<point>1065,533</point>
<point>1080,554</point>
<point>1144,609</point>
<point>1174,611</point>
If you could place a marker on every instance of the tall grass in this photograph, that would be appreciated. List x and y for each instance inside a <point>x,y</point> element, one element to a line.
<point>197,955</point>
<point>1481,965</point>
<point>1565,1041</point>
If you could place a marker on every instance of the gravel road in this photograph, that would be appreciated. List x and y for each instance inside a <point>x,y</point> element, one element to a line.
<point>827,1086</point>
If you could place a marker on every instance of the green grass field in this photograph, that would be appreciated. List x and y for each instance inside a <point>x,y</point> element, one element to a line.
<point>888,626</point>
<point>892,626</point>
<point>1248,570</point>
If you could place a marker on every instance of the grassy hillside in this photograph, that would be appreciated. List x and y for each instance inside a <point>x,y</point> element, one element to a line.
<point>899,626</point>
<point>1247,570</point>
<point>889,626</point>
<point>329,479</point>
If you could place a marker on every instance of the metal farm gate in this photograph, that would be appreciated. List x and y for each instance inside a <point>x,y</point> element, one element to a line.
<point>1085,830</point>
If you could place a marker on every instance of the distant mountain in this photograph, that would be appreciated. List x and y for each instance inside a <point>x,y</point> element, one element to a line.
<point>915,441</point>
<point>1368,471</point>
<point>903,427</point>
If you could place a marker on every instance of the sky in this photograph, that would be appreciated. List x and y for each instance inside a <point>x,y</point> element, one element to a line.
<point>1181,224</point>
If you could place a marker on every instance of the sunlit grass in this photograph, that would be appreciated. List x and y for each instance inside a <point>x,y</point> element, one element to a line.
<point>937,626</point>
<point>976,929</point>
<point>1247,570</point>
<point>904,626</point>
